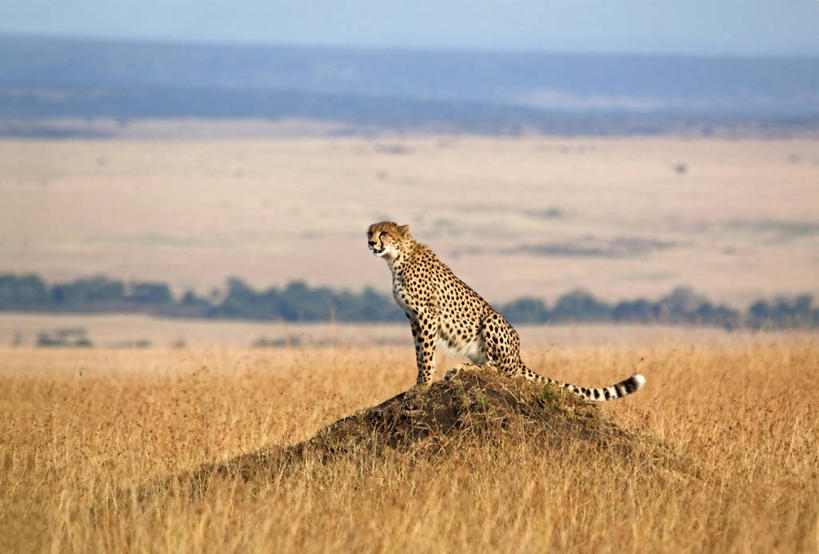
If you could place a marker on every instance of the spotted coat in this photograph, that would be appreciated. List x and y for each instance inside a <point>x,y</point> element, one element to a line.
<point>442,309</point>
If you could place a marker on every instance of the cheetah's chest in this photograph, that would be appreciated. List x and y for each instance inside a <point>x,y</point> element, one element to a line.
<point>400,293</point>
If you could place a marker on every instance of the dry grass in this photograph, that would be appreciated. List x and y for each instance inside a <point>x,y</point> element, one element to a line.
<point>720,455</point>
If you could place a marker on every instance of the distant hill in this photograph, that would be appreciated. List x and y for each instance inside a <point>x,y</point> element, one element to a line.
<point>474,91</point>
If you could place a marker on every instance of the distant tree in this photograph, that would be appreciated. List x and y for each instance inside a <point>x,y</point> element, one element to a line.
<point>242,302</point>
<point>189,305</point>
<point>150,293</point>
<point>301,303</point>
<point>679,306</point>
<point>795,313</point>
<point>802,304</point>
<point>369,305</point>
<point>190,298</point>
<point>636,311</point>
<point>526,310</point>
<point>760,311</point>
<point>94,294</point>
<point>718,316</point>
<point>22,293</point>
<point>783,313</point>
<point>580,305</point>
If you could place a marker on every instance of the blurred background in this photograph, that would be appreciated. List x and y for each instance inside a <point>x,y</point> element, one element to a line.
<point>183,172</point>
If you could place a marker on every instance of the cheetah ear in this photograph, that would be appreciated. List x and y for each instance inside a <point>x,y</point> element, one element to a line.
<point>403,229</point>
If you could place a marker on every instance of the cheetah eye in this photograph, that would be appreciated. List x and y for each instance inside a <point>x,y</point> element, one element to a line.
<point>381,234</point>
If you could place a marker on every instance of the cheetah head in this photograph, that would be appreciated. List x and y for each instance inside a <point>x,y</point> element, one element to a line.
<point>387,238</point>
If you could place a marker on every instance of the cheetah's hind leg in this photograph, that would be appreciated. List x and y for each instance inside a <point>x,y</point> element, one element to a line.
<point>459,368</point>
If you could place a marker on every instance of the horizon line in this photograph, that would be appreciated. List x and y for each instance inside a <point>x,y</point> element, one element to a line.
<point>384,48</point>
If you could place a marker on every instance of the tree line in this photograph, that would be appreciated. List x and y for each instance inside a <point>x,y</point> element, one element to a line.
<point>298,301</point>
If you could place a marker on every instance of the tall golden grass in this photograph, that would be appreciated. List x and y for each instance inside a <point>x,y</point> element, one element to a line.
<point>79,427</point>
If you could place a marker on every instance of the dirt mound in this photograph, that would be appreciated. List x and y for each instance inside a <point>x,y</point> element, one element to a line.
<point>475,410</point>
<point>476,407</point>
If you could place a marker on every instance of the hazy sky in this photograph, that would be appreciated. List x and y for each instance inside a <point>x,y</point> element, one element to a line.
<point>660,26</point>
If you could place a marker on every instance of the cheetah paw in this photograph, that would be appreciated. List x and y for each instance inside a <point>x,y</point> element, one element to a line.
<point>457,369</point>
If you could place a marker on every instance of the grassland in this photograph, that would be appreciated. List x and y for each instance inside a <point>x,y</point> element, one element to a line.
<point>737,413</point>
<point>737,220</point>
<point>124,330</point>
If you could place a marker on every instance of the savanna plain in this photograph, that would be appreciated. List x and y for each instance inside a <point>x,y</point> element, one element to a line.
<point>110,449</point>
<point>716,454</point>
<point>737,219</point>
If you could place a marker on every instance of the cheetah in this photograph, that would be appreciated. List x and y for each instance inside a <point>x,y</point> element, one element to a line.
<point>442,309</point>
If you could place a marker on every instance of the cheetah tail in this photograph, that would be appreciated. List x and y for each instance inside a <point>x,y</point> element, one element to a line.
<point>603,394</point>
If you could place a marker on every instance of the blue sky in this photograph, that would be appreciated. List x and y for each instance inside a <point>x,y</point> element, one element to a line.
<point>710,27</point>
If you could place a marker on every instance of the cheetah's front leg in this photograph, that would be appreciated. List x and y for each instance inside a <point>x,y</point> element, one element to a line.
<point>424,332</point>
